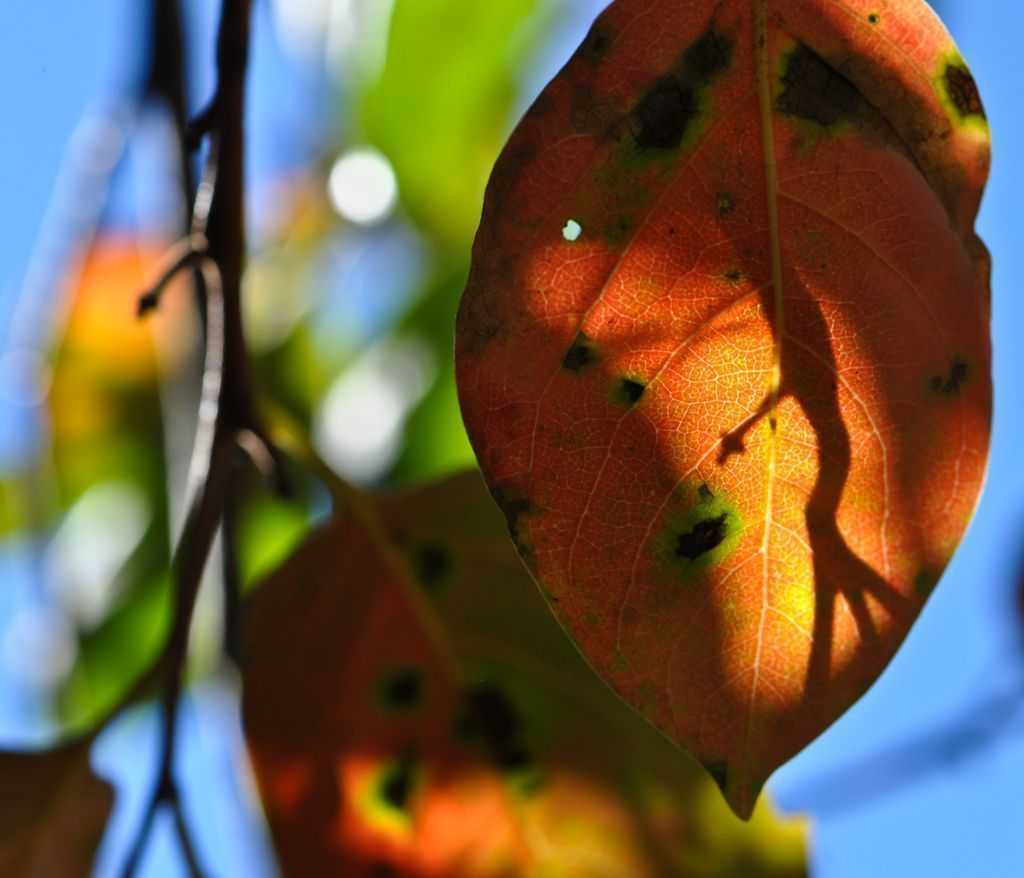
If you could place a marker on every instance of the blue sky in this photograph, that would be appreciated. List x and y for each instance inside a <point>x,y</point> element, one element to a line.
<point>961,817</point>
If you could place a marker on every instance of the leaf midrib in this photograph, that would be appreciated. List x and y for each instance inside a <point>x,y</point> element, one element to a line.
<point>764,87</point>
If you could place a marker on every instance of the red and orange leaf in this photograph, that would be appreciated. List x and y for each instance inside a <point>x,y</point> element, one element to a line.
<point>347,703</point>
<point>598,791</point>
<point>724,354</point>
<point>380,750</point>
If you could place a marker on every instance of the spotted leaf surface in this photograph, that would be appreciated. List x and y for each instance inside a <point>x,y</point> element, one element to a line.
<point>597,790</point>
<point>724,355</point>
<point>439,723</point>
<point>52,813</point>
<point>348,700</point>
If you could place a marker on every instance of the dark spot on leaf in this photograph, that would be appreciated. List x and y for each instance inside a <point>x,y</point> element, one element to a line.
<point>874,18</point>
<point>596,45</point>
<point>733,275</point>
<point>402,690</point>
<point>618,229</point>
<point>705,494</point>
<point>397,783</point>
<point>514,510</point>
<point>925,582</point>
<point>490,719</point>
<point>950,386</point>
<point>431,564</point>
<point>662,116</point>
<point>705,537</point>
<point>706,58</point>
<point>629,391</point>
<point>963,91</point>
<point>815,91</point>
<point>581,354</point>
<point>661,119</point>
<point>726,204</point>
<point>719,772</point>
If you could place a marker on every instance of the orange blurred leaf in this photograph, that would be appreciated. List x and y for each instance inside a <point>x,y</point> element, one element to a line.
<point>379,746</point>
<point>724,355</point>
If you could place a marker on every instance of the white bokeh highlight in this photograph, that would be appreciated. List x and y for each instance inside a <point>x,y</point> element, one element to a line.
<point>362,186</point>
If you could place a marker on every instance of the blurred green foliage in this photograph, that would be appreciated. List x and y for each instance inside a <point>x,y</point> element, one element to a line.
<point>438,106</point>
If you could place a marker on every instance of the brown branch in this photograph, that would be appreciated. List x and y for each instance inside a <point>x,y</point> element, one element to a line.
<point>216,247</point>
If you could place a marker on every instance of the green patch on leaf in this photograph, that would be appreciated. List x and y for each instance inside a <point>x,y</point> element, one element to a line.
<point>959,93</point>
<point>628,391</point>
<point>702,533</point>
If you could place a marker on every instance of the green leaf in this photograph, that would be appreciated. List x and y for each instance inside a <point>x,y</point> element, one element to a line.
<point>111,657</point>
<point>440,108</point>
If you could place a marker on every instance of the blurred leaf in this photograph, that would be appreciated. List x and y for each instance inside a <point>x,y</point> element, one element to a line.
<point>19,507</point>
<point>374,751</point>
<point>268,531</point>
<point>296,373</point>
<point>52,813</point>
<point>435,441</point>
<point>596,756</point>
<point>440,109</point>
<point>111,658</point>
<point>103,402</point>
<point>344,775</point>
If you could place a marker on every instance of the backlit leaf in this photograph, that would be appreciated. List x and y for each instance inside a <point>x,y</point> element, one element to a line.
<point>588,774</point>
<point>52,813</point>
<point>378,752</point>
<point>724,355</point>
<point>348,703</point>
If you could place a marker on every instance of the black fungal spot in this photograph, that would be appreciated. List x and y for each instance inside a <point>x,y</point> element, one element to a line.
<point>925,582</point>
<point>719,772</point>
<point>397,783</point>
<point>706,58</point>
<point>705,493</point>
<point>514,509</point>
<point>726,205</point>
<point>664,114</point>
<point>734,275</point>
<point>581,354</point>
<point>874,18</point>
<point>490,719</point>
<point>958,375</point>
<point>403,689</point>
<point>705,537</point>
<point>963,91</point>
<point>431,564</point>
<point>815,91</point>
<point>630,391</point>
<point>661,119</point>
<point>596,45</point>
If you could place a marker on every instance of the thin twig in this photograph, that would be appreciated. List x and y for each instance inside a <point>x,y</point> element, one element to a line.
<point>231,575</point>
<point>216,248</point>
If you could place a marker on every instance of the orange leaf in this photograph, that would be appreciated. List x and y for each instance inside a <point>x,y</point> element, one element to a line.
<point>724,355</point>
<point>348,702</point>
<point>374,751</point>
